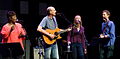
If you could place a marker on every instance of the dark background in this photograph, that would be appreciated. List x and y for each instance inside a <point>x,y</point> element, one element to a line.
<point>32,12</point>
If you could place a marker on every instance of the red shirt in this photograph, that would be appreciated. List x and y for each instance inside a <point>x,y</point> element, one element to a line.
<point>13,36</point>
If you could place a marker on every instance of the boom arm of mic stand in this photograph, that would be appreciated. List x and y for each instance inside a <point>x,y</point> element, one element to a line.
<point>63,16</point>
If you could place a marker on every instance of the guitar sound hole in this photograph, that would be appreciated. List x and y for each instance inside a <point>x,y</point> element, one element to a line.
<point>56,33</point>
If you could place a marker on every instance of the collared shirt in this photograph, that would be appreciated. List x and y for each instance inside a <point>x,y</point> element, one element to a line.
<point>110,31</point>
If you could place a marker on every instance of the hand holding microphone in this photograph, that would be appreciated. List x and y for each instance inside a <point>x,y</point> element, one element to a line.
<point>12,28</point>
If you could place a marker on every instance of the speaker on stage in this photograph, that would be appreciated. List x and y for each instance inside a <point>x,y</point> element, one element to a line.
<point>38,52</point>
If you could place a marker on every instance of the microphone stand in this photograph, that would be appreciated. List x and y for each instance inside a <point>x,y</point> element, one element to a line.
<point>64,17</point>
<point>40,44</point>
<point>68,52</point>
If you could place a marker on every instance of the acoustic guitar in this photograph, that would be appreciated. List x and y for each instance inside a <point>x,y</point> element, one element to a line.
<point>56,32</point>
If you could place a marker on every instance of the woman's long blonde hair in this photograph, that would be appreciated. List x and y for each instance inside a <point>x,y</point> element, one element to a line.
<point>80,21</point>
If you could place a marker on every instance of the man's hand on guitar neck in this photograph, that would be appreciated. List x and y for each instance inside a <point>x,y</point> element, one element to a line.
<point>66,30</point>
<point>69,29</point>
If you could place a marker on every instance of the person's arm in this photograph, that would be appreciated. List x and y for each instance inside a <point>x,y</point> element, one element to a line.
<point>84,41</point>
<point>43,24</point>
<point>68,37</point>
<point>5,31</point>
<point>112,30</point>
<point>111,34</point>
<point>44,32</point>
<point>23,33</point>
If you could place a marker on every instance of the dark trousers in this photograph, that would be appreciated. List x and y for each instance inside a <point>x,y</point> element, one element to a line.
<point>106,52</point>
<point>15,57</point>
<point>77,51</point>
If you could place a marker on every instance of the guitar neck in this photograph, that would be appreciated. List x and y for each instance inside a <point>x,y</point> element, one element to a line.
<point>60,32</point>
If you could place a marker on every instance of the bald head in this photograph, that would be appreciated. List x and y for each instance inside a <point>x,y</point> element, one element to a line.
<point>51,10</point>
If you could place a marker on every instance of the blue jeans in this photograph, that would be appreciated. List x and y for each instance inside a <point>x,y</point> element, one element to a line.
<point>51,52</point>
<point>77,51</point>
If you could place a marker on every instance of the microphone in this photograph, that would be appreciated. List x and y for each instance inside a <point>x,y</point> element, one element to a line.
<point>12,28</point>
<point>79,21</point>
<point>59,14</point>
<point>19,21</point>
<point>74,25</point>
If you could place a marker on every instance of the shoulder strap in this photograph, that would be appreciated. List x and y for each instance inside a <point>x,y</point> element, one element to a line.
<point>105,27</point>
<point>54,22</point>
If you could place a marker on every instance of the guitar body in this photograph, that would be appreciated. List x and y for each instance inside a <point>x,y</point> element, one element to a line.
<point>48,40</point>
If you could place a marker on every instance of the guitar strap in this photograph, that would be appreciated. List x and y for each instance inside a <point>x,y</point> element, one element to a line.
<point>105,27</point>
<point>54,22</point>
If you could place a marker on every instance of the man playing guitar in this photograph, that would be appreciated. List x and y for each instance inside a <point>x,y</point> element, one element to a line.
<point>49,28</point>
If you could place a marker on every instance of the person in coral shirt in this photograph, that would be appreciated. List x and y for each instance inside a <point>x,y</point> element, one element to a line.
<point>13,32</point>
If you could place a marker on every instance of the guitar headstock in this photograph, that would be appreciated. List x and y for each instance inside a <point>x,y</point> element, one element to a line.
<point>68,29</point>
